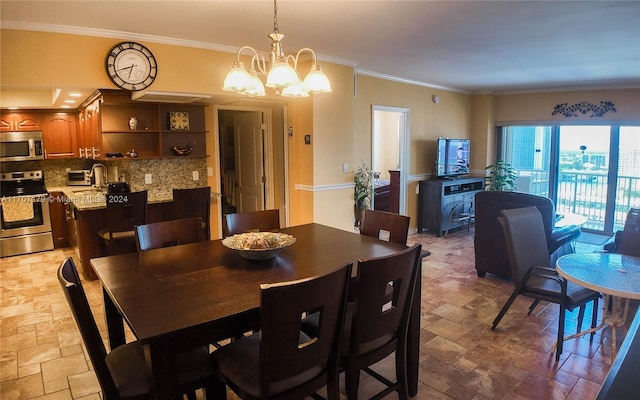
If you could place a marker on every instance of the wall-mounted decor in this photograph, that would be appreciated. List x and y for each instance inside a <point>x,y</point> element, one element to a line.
<point>178,121</point>
<point>584,107</point>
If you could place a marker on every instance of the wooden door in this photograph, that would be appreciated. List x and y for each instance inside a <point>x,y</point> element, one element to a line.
<point>249,162</point>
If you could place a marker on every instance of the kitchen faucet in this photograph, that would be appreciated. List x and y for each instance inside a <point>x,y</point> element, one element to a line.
<point>100,178</point>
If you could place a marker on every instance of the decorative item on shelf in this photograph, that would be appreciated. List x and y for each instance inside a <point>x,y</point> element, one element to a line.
<point>178,121</point>
<point>502,177</point>
<point>363,189</point>
<point>281,75</point>
<point>133,153</point>
<point>133,123</point>
<point>183,151</point>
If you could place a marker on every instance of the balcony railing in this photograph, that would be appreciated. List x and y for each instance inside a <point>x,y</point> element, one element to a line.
<point>585,193</point>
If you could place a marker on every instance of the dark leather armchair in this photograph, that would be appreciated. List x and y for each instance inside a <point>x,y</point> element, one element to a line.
<point>489,241</point>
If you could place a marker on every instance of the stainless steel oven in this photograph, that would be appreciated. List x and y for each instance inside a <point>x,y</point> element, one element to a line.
<point>21,146</point>
<point>24,214</point>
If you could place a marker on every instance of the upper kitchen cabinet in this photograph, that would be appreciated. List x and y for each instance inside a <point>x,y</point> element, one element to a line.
<point>152,130</point>
<point>59,134</point>
<point>89,131</point>
<point>13,121</point>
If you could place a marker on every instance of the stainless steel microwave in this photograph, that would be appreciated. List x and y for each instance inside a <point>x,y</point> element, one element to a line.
<point>21,146</point>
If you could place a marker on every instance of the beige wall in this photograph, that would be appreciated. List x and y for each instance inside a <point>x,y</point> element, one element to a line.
<point>538,107</point>
<point>339,123</point>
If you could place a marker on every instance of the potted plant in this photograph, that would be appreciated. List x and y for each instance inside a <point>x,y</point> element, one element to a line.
<point>363,189</point>
<point>502,176</point>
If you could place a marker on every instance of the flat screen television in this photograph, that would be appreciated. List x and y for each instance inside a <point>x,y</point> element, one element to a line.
<point>452,158</point>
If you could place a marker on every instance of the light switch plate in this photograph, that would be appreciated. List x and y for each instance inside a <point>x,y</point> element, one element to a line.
<point>147,179</point>
<point>196,175</point>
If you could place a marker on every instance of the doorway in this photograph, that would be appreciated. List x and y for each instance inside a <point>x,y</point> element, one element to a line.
<point>389,141</point>
<point>251,159</point>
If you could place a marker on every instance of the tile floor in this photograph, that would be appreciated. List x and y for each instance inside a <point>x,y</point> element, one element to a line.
<point>42,356</point>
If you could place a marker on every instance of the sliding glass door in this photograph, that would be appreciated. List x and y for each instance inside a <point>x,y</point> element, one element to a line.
<point>592,171</point>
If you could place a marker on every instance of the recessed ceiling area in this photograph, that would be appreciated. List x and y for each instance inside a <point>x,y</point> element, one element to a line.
<point>43,98</point>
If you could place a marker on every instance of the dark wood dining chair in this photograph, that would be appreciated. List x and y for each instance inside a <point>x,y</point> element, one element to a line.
<point>122,373</point>
<point>377,320</point>
<point>124,212</point>
<point>169,233</point>
<point>251,221</point>
<point>281,362</point>
<point>385,225</point>
<point>196,202</point>
<point>533,276</point>
<point>377,324</point>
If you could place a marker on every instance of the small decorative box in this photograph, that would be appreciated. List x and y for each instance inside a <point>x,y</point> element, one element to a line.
<point>178,121</point>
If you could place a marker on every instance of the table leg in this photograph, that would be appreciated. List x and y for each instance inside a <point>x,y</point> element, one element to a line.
<point>158,358</point>
<point>115,325</point>
<point>617,318</point>
<point>413,337</point>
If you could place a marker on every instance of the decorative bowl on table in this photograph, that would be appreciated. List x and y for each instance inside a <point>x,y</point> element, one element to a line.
<point>258,245</point>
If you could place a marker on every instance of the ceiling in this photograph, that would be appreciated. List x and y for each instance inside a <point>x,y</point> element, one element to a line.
<point>466,46</point>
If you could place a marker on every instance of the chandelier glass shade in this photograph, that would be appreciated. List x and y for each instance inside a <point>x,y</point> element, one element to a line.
<point>283,76</point>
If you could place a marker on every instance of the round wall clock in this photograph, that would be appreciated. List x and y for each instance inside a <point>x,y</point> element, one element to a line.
<point>131,66</point>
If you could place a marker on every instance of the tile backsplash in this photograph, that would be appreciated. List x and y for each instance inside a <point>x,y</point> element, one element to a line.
<point>166,173</point>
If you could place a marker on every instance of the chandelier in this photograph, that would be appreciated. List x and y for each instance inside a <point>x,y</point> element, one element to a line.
<point>283,77</point>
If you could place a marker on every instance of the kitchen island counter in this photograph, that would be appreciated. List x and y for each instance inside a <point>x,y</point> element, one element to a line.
<point>86,198</point>
<point>85,215</point>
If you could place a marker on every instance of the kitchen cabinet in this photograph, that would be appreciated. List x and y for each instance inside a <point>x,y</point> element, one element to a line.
<point>58,219</point>
<point>447,204</point>
<point>59,134</point>
<point>20,121</point>
<point>89,137</point>
<point>153,135</point>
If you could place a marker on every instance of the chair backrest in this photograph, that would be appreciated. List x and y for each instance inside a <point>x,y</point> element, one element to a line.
<point>378,223</point>
<point>489,243</point>
<point>285,352</point>
<point>526,243</point>
<point>169,233</point>
<point>74,292</point>
<point>380,319</point>
<point>188,203</point>
<point>252,221</point>
<point>126,210</point>
<point>629,239</point>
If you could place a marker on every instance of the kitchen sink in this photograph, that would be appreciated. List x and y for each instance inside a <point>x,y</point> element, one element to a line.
<point>89,191</point>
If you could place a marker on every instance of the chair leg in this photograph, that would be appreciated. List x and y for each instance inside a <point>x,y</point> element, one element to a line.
<point>594,317</point>
<point>215,389</point>
<point>505,308</point>
<point>560,332</point>
<point>533,306</point>
<point>401,373</point>
<point>580,317</point>
<point>352,381</point>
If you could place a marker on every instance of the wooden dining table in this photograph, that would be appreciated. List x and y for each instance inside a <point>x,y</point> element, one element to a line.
<point>177,298</point>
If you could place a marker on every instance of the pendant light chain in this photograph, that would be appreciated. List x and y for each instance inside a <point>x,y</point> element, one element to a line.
<point>275,17</point>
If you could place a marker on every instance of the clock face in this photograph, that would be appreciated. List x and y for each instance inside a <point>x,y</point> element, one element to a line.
<point>131,66</point>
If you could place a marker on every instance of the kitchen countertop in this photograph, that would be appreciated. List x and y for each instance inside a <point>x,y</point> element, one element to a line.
<point>89,198</point>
